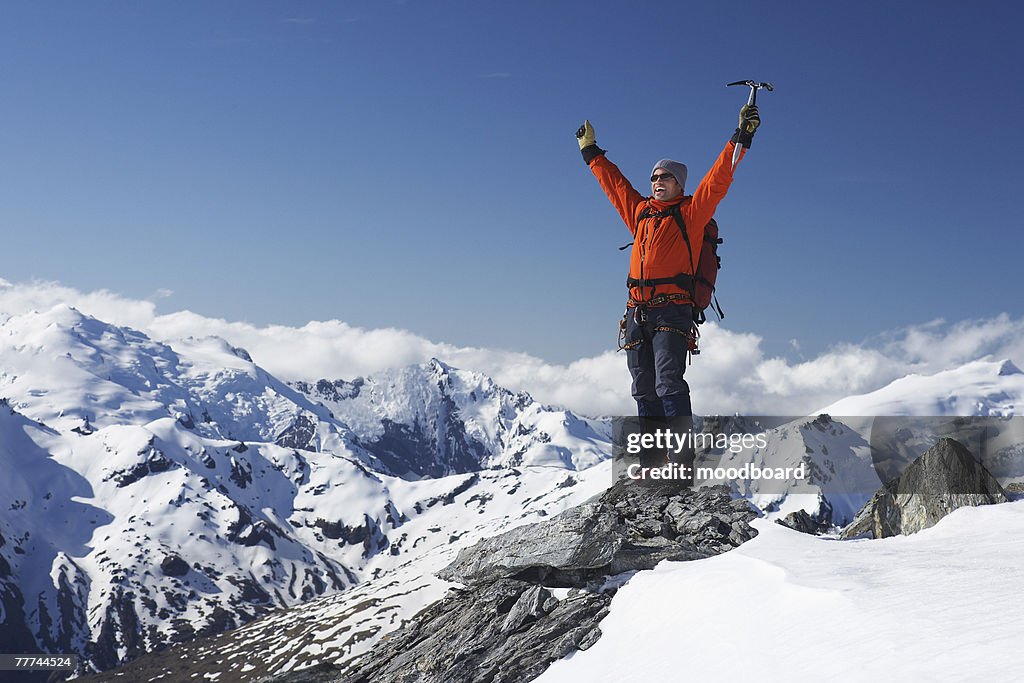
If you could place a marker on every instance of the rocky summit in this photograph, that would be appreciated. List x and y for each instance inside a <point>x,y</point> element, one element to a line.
<point>537,593</point>
<point>945,478</point>
<point>628,528</point>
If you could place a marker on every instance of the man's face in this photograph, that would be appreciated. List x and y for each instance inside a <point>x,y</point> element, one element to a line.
<point>664,186</point>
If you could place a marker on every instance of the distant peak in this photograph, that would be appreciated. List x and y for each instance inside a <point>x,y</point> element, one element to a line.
<point>66,312</point>
<point>1008,368</point>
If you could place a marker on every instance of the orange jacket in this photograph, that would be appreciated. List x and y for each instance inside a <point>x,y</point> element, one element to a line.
<point>659,250</point>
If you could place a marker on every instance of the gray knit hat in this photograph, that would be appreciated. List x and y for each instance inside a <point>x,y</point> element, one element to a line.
<point>677,169</point>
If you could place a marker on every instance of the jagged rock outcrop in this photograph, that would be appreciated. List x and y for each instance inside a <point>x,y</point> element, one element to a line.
<point>945,478</point>
<point>629,528</point>
<point>804,522</point>
<point>814,520</point>
<point>510,622</point>
<point>526,629</point>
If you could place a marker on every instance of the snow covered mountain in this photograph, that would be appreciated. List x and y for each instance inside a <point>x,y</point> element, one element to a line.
<point>155,493</point>
<point>159,491</point>
<point>431,420</point>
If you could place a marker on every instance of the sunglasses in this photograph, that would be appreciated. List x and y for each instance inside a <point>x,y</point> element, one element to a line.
<point>662,176</point>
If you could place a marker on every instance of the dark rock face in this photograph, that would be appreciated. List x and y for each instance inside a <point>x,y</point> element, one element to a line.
<point>120,627</point>
<point>804,522</point>
<point>241,472</point>
<point>338,390</point>
<point>508,625</point>
<point>436,449</point>
<point>15,634</point>
<point>818,522</point>
<point>153,462</point>
<point>249,533</point>
<point>172,565</point>
<point>300,434</point>
<point>945,478</point>
<point>369,534</point>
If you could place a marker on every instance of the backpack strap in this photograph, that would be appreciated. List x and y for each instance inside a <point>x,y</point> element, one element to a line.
<point>682,280</point>
<point>676,214</point>
<point>714,242</point>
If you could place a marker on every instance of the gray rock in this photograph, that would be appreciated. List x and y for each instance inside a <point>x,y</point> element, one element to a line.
<point>533,604</point>
<point>629,528</point>
<point>804,522</point>
<point>816,522</point>
<point>945,478</point>
<point>586,537</point>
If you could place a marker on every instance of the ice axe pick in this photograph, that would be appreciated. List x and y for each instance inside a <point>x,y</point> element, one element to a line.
<point>754,87</point>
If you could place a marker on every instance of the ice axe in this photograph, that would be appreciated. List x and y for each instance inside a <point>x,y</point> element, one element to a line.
<point>754,87</point>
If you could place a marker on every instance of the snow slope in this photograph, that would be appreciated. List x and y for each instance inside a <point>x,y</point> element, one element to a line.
<point>938,605</point>
<point>981,387</point>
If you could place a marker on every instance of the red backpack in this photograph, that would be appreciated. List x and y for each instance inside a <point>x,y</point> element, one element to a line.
<point>707,270</point>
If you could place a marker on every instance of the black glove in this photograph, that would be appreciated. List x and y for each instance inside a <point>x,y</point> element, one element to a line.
<point>588,146</point>
<point>749,121</point>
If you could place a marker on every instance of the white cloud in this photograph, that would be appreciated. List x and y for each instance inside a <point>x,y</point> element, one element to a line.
<point>16,298</point>
<point>731,375</point>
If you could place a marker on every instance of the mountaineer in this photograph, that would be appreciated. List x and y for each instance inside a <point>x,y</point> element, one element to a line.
<point>660,329</point>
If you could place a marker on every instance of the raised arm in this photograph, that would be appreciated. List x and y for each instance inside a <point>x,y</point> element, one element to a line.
<point>715,184</point>
<point>709,193</point>
<point>623,196</point>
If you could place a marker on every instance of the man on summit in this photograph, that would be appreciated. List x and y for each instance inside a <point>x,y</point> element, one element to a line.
<point>659,323</point>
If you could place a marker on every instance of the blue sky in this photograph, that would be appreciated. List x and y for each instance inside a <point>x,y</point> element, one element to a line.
<point>412,164</point>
